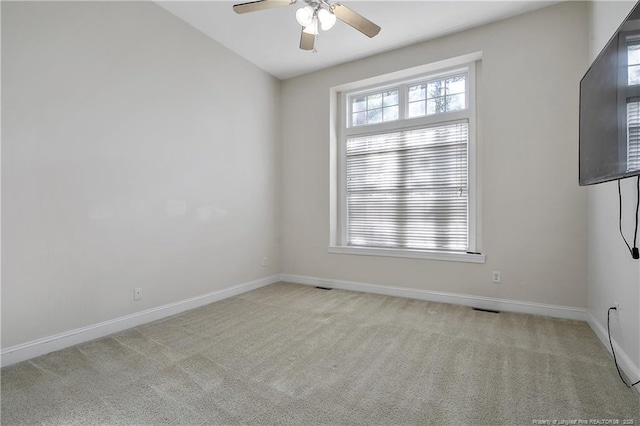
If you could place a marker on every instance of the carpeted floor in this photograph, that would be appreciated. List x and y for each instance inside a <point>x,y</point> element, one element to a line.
<point>292,354</point>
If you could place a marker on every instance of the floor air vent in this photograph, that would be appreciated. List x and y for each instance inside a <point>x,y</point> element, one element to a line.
<point>486,310</point>
<point>324,288</point>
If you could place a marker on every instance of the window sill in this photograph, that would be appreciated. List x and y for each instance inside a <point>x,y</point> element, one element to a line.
<point>410,254</point>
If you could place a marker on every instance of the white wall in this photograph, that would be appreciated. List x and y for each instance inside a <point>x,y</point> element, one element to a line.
<point>136,152</point>
<point>613,275</point>
<point>533,212</point>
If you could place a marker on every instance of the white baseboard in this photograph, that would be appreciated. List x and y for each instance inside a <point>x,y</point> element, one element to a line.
<point>557,311</point>
<point>630,369</point>
<point>24,351</point>
<point>42,346</point>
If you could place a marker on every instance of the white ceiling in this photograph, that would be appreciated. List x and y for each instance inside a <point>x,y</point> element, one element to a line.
<point>270,38</point>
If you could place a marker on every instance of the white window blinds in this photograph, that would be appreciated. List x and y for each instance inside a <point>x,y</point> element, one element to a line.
<point>408,189</point>
<point>633,135</point>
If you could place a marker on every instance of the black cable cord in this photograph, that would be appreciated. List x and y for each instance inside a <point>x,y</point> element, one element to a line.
<point>635,253</point>
<point>620,216</point>
<point>635,237</point>
<point>613,352</point>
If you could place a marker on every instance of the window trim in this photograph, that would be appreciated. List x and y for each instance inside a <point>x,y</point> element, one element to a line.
<point>340,110</point>
<point>410,254</point>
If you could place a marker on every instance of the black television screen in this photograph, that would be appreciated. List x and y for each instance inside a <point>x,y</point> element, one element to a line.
<point>609,140</point>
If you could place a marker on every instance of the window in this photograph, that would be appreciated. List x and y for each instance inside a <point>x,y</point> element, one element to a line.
<point>406,183</point>
<point>408,189</point>
<point>374,108</point>
<point>633,63</point>
<point>437,96</point>
<point>630,95</point>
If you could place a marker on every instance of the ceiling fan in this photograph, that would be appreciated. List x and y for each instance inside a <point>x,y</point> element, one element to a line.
<point>316,13</point>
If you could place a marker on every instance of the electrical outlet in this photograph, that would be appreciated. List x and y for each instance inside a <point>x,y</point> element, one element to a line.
<point>616,312</point>
<point>496,277</point>
<point>137,293</point>
<point>265,262</point>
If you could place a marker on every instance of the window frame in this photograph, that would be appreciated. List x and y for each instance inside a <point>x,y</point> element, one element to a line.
<point>344,129</point>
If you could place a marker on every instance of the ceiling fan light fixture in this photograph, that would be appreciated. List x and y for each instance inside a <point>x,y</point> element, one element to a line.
<point>327,19</point>
<point>316,15</point>
<point>312,28</point>
<point>304,16</point>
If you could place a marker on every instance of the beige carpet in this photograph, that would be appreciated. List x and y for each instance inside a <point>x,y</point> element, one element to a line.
<point>292,354</point>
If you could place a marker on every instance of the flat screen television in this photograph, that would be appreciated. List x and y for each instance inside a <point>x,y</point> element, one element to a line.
<point>609,141</point>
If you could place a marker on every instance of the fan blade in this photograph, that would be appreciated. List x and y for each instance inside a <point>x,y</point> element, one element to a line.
<point>307,41</point>
<point>259,5</point>
<point>358,22</point>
